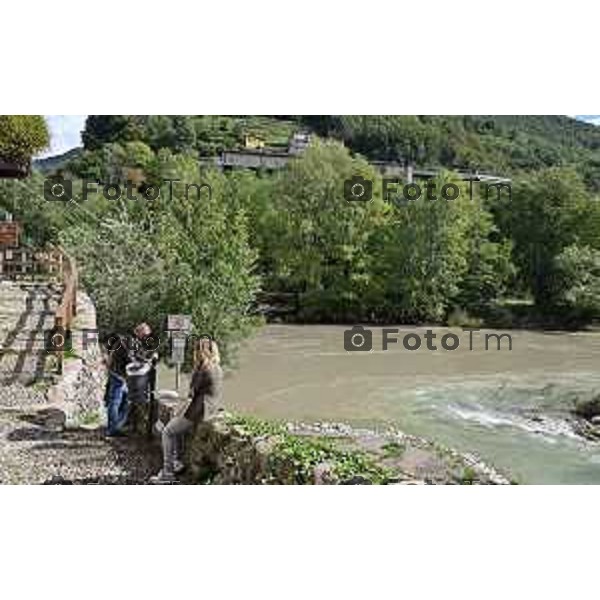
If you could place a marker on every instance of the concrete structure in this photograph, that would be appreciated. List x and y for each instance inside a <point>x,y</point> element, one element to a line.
<point>271,160</point>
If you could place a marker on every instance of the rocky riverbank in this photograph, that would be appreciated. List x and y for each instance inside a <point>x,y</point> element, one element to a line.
<point>585,419</point>
<point>235,449</point>
<point>407,458</point>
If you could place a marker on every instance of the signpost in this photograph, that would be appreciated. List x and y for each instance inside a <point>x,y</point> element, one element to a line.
<point>178,326</point>
<point>179,323</point>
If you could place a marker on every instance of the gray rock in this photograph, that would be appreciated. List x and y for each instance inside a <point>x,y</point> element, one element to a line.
<point>589,406</point>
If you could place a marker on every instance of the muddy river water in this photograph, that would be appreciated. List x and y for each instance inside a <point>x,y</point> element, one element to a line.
<point>508,406</point>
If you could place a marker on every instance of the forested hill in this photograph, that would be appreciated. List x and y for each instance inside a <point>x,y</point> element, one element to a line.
<point>503,144</point>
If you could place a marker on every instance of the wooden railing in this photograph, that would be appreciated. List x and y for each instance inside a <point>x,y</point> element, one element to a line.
<point>25,263</point>
<point>67,309</point>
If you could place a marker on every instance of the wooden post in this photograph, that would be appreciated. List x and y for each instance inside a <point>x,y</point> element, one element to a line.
<point>60,355</point>
<point>75,279</point>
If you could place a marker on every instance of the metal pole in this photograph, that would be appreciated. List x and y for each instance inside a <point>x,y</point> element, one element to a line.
<point>153,408</point>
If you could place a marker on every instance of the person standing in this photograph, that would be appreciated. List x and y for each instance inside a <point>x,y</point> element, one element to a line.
<point>115,398</point>
<point>144,350</point>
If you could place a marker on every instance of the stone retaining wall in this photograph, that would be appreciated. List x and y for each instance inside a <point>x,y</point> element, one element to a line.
<point>223,452</point>
<point>79,392</point>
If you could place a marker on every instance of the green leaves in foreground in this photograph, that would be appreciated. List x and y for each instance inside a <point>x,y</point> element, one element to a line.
<point>305,453</point>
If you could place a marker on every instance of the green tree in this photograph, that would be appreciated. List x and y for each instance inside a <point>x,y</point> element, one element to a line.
<point>550,210</point>
<point>423,253</point>
<point>317,240</point>
<point>577,281</point>
<point>24,199</point>
<point>21,136</point>
<point>182,253</point>
<point>103,129</point>
<point>184,134</point>
<point>205,244</point>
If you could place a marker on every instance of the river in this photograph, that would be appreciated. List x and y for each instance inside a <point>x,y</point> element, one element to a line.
<point>508,406</point>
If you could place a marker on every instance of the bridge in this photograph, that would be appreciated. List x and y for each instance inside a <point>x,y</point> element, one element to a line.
<point>271,160</point>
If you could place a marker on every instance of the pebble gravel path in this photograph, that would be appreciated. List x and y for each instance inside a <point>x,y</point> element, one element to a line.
<point>35,447</point>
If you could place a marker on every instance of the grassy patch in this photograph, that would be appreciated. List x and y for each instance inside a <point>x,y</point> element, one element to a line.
<point>393,449</point>
<point>469,476</point>
<point>70,354</point>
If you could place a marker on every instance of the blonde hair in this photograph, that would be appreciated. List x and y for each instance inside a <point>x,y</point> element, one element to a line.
<point>206,354</point>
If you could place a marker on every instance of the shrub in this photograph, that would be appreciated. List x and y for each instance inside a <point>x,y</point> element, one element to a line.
<point>21,136</point>
<point>576,281</point>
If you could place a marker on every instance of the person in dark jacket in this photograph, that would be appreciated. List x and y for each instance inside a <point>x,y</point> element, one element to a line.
<point>144,344</point>
<point>205,403</point>
<point>115,398</point>
<point>143,349</point>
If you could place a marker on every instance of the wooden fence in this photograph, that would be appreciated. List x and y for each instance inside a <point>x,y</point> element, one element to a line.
<point>23,263</point>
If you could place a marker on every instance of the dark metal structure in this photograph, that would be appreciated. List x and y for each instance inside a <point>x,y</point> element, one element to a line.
<point>13,170</point>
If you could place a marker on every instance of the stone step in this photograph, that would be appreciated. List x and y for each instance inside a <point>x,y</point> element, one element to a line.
<point>24,367</point>
<point>27,312</point>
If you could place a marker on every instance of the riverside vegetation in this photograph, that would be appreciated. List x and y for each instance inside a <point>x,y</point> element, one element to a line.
<point>292,232</point>
<point>532,261</point>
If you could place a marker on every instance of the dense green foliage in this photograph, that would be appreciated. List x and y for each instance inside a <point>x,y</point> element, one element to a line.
<point>501,144</point>
<point>577,281</point>
<point>376,260</point>
<point>550,210</point>
<point>204,134</point>
<point>141,260</point>
<point>21,136</point>
<point>312,240</point>
<point>293,233</point>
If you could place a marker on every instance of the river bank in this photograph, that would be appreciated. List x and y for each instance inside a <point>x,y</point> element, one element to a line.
<point>514,408</point>
<point>410,459</point>
<point>234,449</point>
